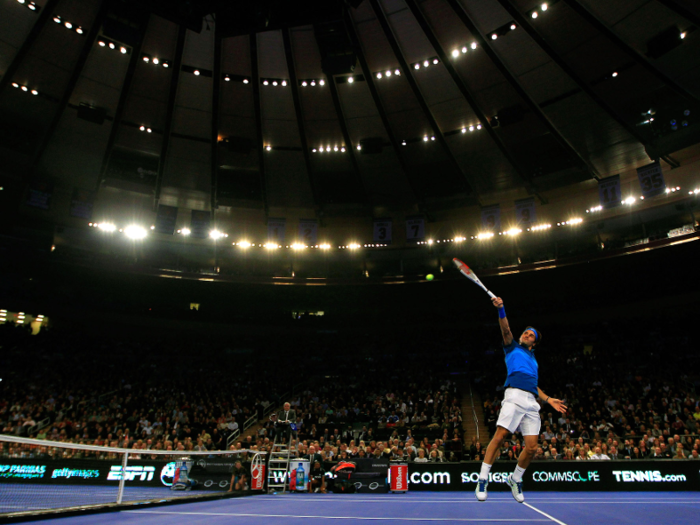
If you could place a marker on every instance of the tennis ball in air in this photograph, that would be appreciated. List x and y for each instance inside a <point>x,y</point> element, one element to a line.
<point>430,277</point>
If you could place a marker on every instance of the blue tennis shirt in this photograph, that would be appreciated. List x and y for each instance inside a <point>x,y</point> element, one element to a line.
<point>522,367</point>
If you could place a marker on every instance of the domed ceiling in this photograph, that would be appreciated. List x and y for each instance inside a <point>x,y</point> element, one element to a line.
<point>345,108</point>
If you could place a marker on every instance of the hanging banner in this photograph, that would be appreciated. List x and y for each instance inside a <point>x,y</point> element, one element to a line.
<point>82,203</point>
<point>491,218</point>
<point>382,231</point>
<point>39,195</point>
<point>166,219</point>
<point>275,230</point>
<point>651,179</point>
<point>415,228</point>
<point>200,224</point>
<point>308,231</point>
<point>609,191</point>
<point>525,212</point>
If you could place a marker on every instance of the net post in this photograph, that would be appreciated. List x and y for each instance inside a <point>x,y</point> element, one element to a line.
<point>122,479</point>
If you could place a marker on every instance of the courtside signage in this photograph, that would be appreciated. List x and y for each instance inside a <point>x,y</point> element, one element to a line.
<point>647,476</point>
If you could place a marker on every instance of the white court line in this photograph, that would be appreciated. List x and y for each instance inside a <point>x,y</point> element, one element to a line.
<point>549,501</point>
<point>242,515</point>
<point>555,520</point>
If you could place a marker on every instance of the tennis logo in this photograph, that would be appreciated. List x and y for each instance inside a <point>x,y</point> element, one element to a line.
<point>653,476</point>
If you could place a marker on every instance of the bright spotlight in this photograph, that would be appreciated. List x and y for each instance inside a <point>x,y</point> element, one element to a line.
<point>271,246</point>
<point>135,232</point>
<point>107,227</point>
<point>353,246</point>
<point>351,80</point>
<point>215,234</point>
<point>185,231</point>
<point>629,200</point>
<point>544,7</point>
<point>298,246</point>
<point>244,244</point>
<point>325,246</point>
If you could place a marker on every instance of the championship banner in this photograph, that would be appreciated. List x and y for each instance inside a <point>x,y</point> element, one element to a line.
<point>525,212</point>
<point>308,231</point>
<point>609,191</point>
<point>382,231</point>
<point>82,203</point>
<point>491,218</point>
<point>133,166</point>
<point>200,224</point>
<point>166,219</point>
<point>275,230</point>
<point>415,228</point>
<point>39,195</point>
<point>651,179</point>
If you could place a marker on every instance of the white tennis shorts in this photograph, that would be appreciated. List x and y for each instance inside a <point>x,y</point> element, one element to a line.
<point>520,411</point>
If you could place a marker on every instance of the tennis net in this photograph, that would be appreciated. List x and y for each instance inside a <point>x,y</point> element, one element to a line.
<point>39,476</point>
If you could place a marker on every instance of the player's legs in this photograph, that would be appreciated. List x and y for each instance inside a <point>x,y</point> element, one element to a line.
<point>494,448</point>
<point>530,427</point>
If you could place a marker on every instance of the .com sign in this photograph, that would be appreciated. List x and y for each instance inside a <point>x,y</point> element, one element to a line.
<point>430,478</point>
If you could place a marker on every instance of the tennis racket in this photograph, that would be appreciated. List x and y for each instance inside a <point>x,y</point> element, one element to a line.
<point>469,274</point>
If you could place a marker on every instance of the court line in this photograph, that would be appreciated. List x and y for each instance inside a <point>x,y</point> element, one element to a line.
<point>369,518</point>
<point>555,520</point>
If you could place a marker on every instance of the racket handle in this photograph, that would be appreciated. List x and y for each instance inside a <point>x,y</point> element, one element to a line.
<point>491,295</point>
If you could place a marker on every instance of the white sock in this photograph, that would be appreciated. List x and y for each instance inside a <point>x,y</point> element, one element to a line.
<point>485,469</point>
<point>518,473</point>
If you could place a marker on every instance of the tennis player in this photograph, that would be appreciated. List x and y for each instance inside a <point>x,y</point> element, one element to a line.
<point>520,409</point>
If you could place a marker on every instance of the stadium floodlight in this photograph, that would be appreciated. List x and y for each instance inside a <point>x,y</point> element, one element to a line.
<point>298,246</point>
<point>135,232</point>
<point>272,246</point>
<point>107,227</point>
<point>215,234</point>
<point>244,244</point>
<point>325,246</point>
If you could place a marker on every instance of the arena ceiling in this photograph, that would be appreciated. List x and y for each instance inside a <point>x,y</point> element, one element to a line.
<point>343,107</point>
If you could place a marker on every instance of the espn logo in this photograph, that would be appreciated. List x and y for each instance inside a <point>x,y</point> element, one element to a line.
<point>144,473</point>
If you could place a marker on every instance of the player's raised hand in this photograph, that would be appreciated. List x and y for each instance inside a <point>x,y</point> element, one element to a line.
<point>558,405</point>
<point>497,302</point>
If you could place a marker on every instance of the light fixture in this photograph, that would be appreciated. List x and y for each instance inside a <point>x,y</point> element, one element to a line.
<point>227,78</point>
<point>403,142</point>
<point>112,45</point>
<point>101,43</point>
<point>494,36</point>
<point>335,148</point>
<point>107,227</point>
<point>379,75</point>
<point>185,231</point>
<point>471,128</point>
<point>387,74</point>
<point>473,45</point>
<point>284,83</point>
<point>135,232</point>
<point>534,14</point>
<point>464,130</point>
<point>15,85</point>
<point>271,246</point>
<point>32,6</point>
<point>244,244</point>
<point>313,82</point>
<point>359,147</point>
<point>143,128</point>
<point>432,138</point>
<point>156,61</point>
<point>146,59</point>
<point>313,150</point>
<point>417,66</point>
<point>544,7</point>
<point>629,200</point>
<point>215,234</point>
<point>298,246</point>
<point>57,19</point>
<point>274,82</point>
<point>166,65</point>
<point>351,80</point>
<point>614,74</point>
<point>455,53</point>
<point>325,246</point>
<point>196,72</point>
<point>425,139</point>
<point>320,82</point>
<point>149,130</point>
<point>79,30</point>
<point>342,150</point>
<point>245,80</point>
<point>397,72</point>
<point>123,50</point>
<point>328,148</point>
<point>426,63</point>
<point>304,83</point>
<point>25,88</point>
<point>353,246</point>
<point>435,61</point>
<point>265,82</point>
<point>478,126</point>
<point>268,148</point>
<point>35,92</point>
<point>513,27</point>
<point>683,35</point>
<point>69,25</point>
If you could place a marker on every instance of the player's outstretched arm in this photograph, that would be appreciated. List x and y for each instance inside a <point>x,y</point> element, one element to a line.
<point>503,321</point>
<point>557,404</point>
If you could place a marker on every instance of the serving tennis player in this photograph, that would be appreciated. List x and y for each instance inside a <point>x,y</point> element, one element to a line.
<point>520,409</point>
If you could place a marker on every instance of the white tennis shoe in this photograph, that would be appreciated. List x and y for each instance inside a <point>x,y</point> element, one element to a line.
<point>480,491</point>
<point>516,488</point>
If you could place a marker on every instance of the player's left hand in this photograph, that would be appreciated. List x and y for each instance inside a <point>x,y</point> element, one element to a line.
<point>558,405</point>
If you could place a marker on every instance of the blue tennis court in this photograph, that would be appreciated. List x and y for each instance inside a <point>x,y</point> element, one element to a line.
<point>669,508</point>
